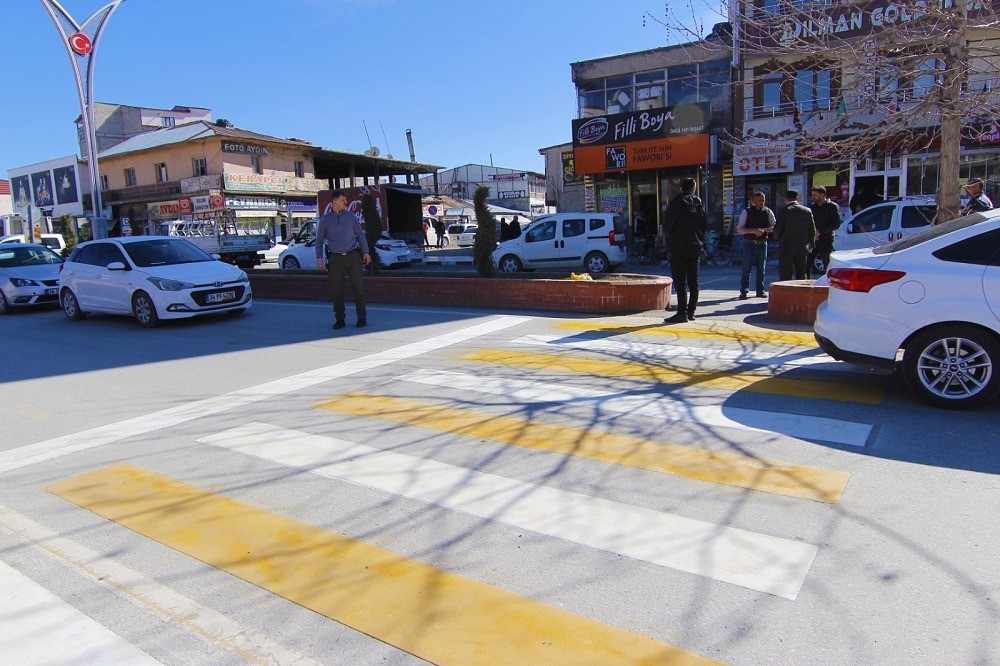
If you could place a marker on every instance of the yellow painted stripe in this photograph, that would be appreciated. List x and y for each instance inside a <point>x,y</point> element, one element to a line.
<point>706,332</point>
<point>869,393</point>
<point>731,469</point>
<point>429,612</point>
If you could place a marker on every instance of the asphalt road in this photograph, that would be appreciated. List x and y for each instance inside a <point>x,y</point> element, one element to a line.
<point>459,486</point>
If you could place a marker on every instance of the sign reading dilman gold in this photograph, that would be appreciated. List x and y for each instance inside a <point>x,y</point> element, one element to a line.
<point>671,136</point>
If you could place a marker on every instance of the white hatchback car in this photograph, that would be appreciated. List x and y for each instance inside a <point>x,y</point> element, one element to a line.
<point>592,241</point>
<point>151,278</point>
<point>468,236</point>
<point>935,296</point>
<point>301,254</point>
<point>29,275</point>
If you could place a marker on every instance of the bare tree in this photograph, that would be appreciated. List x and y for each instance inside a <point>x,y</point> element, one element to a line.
<point>901,75</point>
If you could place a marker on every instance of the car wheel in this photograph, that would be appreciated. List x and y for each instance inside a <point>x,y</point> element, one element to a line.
<point>510,264</point>
<point>596,262</point>
<point>5,307</point>
<point>953,366</point>
<point>291,264</point>
<point>144,310</point>
<point>70,306</point>
<point>446,242</point>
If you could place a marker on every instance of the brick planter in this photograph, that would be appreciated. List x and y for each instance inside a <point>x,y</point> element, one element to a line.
<point>623,295</point>
<point>795,300</point>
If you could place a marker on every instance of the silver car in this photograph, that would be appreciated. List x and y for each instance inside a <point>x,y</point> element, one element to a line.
<point>29,275</point>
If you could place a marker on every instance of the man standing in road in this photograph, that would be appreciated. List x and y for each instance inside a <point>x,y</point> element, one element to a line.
<point>341,243</point>
<point>684,225</point>
<point>826,215</point>
<point>795,232</point>
<point>978,201</point>
<point>756,222</point>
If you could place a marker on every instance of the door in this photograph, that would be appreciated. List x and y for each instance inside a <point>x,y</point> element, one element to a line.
<point>869,228</point>
<point>111,290</point>
<point>914,218</point>
<point>80,275</point>
<point>573,244</point>
<point>541,247</point>
<point>991,278</point>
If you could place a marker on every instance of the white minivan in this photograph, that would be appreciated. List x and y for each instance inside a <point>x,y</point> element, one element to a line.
<point>885,222</point>
<point>592,241</point>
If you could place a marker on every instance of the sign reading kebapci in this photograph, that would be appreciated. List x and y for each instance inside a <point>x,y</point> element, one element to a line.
<point>764,158</point>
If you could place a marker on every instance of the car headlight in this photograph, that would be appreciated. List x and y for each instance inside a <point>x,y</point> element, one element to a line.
<point>169,285</point>
<point>243,277</point>
<point>21,282</point>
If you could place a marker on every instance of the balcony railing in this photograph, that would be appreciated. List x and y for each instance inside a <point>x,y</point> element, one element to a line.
<point>804,109</point>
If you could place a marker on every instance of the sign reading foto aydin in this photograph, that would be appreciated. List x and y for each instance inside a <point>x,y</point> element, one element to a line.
<point>243,148</point>
<point>254,182</point>
<point>671,136</point>
<point>752,159</point>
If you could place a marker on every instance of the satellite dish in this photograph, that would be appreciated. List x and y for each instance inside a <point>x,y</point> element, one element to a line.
<point>368,153</point>
<point>389,156</point>
<point>374,151</point>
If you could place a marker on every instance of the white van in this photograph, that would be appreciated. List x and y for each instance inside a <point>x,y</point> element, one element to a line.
<point>885,222</point>
<point>594,242</point>
<point>54,242</point>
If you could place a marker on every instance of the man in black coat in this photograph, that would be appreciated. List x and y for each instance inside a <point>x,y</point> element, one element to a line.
<point>826,215</point>
<point>795,232</point>
<point>684,225</point>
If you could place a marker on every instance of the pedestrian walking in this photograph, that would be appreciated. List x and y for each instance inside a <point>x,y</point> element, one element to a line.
<point>978,201</point>
<point>756,222</point>
<point>439,230</point>
<point>795,232</point>
<point>341,247</point>
<point>826,215</point>
<point>685,225</point>
<point>515,228</point>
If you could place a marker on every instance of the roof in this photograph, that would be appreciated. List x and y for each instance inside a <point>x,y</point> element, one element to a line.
<point>4,187</point>
<point>199,129</point>
<point>338,164</point>
<point>558,145</point>
<point>490,166</point>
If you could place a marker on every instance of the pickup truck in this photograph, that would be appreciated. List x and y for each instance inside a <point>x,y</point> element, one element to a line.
<point>234,244</point>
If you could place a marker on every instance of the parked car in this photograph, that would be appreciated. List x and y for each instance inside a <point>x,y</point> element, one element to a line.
<point>29,275</point>
<point>274,253</point>
<point>54,242</point>
<point>150,277</point>
<point>302,253</point>
<point>468,236</point>
<point>593,241</point>
<point>886,222</point>
<point>453,231</point>
<point>934,295</point>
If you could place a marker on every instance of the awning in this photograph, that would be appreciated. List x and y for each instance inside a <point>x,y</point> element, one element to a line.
<point>256,213</point>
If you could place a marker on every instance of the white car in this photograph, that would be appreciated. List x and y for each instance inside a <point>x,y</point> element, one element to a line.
<point>302,253</point>
<point>468,236</point>
<point>935,296</point>
<point>453,231</point>
<point>274,253</point>
<point>594,242</point>
<point>29,275</point>
<point>150,277</point>
<point>885,222</point>
<point>54,242</point>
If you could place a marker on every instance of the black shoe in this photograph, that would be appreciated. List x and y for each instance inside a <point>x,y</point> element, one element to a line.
<point>362,323</point>
<point>761,294</point>
<point>339,324</point>
<point>691,316</point>
<point>679,318</point>
<point>744,296</point>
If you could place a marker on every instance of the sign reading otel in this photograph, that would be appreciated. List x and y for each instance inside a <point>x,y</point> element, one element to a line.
<point>671,136</point>
<point>764,158</point>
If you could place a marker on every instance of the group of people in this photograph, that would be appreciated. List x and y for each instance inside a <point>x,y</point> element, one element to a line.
<point>438,232</point>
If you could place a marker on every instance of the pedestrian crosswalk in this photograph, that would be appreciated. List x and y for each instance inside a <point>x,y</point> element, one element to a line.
<point>528,392</point>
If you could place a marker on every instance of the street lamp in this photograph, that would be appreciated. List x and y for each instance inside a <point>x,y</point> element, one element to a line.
<point>81,42</point>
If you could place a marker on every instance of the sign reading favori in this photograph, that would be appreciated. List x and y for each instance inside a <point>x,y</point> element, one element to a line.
<point>752,159</point>
<point>254,182</point>
<point>672,136</point>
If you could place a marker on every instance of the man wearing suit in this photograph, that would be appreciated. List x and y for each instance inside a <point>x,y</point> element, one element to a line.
<point>795,231</point>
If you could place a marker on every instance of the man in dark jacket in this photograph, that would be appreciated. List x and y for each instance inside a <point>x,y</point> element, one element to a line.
<point>684,225</point>
<point>826,215</point>
<point>978,201</point>
<point>795,232</point>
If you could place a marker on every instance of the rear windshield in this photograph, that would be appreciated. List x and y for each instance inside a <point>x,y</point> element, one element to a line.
<point>15,257</point>
<point>931,233</point>
<point>165,252</point>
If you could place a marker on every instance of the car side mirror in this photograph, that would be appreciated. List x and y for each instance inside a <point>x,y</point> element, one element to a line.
<point>850,228</point>
<point>311,243</point>
<point>116,266</point>
<point>216,256</point>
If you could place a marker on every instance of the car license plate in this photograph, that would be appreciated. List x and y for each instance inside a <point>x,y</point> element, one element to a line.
<point>51,292</point>
<point>402,257</point>
<point>220,297</point>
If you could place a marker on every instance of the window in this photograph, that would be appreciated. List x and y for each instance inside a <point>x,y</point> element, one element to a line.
<point>682,85</point>
<point>300,170</point>
<point>596,224</point>
<point>591,98</point>
<point>167,121</point>
<point>813,89</point>
<point>571,228</point>
<point>768,92</point>
<point>545,231</point>
<point>161,172</point>
<point>255,164</point>
<point>130,180</point>
<point>922,175</point>
<point>105,183</point>
<point>930,234</point>
<point>110,254</point>
<point>915,217</point>
<point>769,7</point>
<point>929,77</point>
<point>165,252</point>
<point>90,255</point>
<point>873,220</point>
<point>200,166</point>
<point>620,96</point>
<point>978,250</point>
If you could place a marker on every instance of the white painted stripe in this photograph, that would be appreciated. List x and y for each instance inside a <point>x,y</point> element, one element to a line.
<point>650,350</point>
<point>755,561</point>
<point>206,623</point>
<point>140,425</point>
<point>378,307</point>
<point>37,627</point>
<point>660,406</point>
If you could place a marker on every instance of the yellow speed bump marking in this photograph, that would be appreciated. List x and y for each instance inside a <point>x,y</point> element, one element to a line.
<point>713,332</point>
<point>432,613</point>
<point>732,469</point>
<point>869,393</point>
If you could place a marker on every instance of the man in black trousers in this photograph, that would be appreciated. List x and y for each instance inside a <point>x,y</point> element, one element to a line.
<point>826,215</point>
<point>684,225</point>
<point>339,235</point>
<point>795,232</point>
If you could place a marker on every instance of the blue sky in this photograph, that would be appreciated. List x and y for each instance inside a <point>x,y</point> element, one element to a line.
<point>470,78</point>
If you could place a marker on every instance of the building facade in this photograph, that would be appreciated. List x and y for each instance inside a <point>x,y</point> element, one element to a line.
<point>116,123</point>
<point>53,187</point>
<point>563,188</point>
<point>6,202</point>
<point>514,189</point>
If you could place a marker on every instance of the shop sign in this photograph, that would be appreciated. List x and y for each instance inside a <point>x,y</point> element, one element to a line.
<point>324,202</point>
<point>613,198</point>
<point>764,158</point>
<point>243,148</point>
<point>254,182</point>
<point>251,203</point>
<point>817,153</point>
<point>507,177</point>
<point>636,126</point>
<point>164,210</point>
<point>569,170</point>
<point>991,136</point>
<point>206,203</point>
<point>300,204</point>
<point>639,155</point>
<point>513,194</point>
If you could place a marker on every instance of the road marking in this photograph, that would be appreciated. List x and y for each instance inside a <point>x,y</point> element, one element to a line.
<point>37,627</point>
<point>141,590</point>
<point>713,332</point>
<point>140,425</point>
<point>669,352</point>
<point>868,393</point>
<point>652,404</point>
<point>429,612</point>
<point>371,306</point>
<point>723,467</point>
<point>756,561</point>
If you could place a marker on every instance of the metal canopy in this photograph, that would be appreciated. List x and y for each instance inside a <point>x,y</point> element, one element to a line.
<point>338,164</point>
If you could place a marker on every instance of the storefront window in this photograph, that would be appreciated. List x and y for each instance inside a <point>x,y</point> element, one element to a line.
<point>619,100</point>
<point>922,175</point>
<point>591,98</point>
<point>612,196</point>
